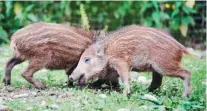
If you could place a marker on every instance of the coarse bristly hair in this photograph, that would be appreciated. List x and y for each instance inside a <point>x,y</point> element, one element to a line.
<point>47,45</point>
<point>138,48</point>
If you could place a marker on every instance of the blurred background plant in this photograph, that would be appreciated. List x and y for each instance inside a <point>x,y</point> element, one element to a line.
<point>185,20</point>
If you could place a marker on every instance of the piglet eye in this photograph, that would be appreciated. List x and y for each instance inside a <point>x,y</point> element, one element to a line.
<point>87,60</point>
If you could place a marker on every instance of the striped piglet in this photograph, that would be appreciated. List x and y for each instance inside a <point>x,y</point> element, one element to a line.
<point>134,48</point>
<point>47,45</point>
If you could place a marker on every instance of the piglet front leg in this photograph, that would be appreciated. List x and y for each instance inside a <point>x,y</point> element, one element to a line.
<point>123,71</point>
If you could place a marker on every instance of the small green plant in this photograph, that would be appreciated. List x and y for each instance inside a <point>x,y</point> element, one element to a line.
<point>84,18</point>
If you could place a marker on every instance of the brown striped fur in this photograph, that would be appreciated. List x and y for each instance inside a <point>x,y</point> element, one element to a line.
<point>135,48</point>
<point>47,45</point>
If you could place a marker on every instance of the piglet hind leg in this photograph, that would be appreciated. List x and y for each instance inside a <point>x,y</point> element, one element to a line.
<point>156,81</point>
<point>123,71</point>
<point>33,67</point>
<point>186,82</point>
<point>185,76</point>
<point>9,66</point>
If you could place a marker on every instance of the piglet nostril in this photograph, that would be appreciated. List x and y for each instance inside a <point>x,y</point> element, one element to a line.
<point>71,79</point>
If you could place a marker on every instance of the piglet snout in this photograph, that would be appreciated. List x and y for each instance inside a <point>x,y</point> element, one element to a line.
<point>81,80</point>
<point>71,79</point>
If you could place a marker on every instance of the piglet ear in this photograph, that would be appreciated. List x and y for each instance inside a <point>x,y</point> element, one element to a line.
<point>98,36</point>
<point>95,36</point>
<point>100,50</point>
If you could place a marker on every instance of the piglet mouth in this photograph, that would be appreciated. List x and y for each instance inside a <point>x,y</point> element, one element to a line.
<point>81,80</point>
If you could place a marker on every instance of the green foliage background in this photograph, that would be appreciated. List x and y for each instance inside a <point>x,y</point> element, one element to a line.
<point>101,15</point>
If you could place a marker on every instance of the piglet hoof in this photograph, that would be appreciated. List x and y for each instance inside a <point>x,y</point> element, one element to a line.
<point>150,89</point>
<point>81,85</point>
<point>6,81</point>
<point>40,85</point>
<point>186,95</point>
<point>126,93</point>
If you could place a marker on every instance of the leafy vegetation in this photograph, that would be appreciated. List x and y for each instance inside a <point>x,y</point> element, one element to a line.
<point>57,96</point>
<point>176,16</point>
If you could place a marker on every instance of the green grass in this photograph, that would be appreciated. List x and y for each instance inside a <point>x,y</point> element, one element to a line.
<point>73,98</point>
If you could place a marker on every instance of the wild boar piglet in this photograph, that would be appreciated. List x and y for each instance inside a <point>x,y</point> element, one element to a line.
<point>47,45</point>
<point>135,48</point>
<point>50,46</point>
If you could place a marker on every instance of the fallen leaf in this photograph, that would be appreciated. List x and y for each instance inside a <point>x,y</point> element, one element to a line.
<point>103,96</point>
<point>54,106</point>
<point>21,95</point>
<point>150,98</point>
